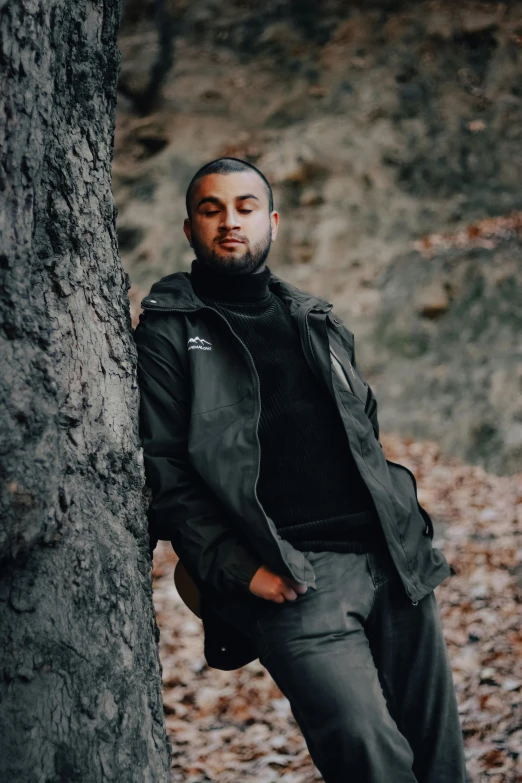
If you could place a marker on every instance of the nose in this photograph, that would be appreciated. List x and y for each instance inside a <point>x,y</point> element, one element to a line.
<point>230,219</point>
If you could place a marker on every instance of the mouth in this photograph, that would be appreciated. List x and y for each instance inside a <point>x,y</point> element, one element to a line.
<point>231,241</point>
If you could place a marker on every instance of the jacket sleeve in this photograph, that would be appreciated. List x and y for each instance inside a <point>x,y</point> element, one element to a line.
<point>183,509</point>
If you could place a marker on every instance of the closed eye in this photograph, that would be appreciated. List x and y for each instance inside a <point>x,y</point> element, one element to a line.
<point>211,212</point>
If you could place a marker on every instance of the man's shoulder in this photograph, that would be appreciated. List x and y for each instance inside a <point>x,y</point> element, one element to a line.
<point>162,319</point>
<point>286,290</point>
<point>171,291</point>
<point>164,306</point>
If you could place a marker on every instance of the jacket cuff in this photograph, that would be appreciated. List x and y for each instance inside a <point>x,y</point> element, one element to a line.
<point>244,572</point>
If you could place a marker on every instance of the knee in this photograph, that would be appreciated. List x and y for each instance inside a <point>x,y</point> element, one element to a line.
<point>349,730</point>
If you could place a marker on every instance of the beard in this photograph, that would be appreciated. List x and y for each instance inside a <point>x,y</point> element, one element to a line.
<point>231,264</point>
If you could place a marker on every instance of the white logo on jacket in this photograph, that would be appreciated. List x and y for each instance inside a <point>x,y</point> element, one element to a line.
<point>198,342</point>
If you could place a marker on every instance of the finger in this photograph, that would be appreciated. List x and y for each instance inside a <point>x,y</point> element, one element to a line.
<point>289,593</point>
<point>299,587</point>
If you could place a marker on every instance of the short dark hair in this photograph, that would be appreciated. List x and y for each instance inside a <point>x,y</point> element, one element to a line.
<point>226,166</point>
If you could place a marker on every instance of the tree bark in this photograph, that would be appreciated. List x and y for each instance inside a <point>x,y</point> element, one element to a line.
<point>80,685</point>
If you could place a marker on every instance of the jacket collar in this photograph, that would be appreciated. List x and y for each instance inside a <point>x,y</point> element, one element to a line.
<point>175,292</point>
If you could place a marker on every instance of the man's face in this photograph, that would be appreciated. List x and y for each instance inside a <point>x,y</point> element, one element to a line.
<point>231,229</point>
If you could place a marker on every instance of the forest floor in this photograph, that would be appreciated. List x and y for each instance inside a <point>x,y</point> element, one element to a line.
<point>237,727</point>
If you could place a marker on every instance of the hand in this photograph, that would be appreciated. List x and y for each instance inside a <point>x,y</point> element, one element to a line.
<point>273,587</point>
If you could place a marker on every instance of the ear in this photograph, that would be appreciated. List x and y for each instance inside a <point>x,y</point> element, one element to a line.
<point>274,222</point>
<point>187,228</point>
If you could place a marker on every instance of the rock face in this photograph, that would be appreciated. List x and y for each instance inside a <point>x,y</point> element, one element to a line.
<point>378,124</point>
<point>447,344</point>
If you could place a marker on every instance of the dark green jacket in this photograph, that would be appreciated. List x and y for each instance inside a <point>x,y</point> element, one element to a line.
<point>200,407</point>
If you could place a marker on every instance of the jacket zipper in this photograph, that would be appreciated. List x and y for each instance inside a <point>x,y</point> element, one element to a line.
<point>258,384</point>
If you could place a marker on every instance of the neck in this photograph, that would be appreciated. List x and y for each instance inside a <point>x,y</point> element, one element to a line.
<point>212,284</point>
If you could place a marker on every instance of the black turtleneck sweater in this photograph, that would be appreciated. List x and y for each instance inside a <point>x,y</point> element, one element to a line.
<point>309,483</point>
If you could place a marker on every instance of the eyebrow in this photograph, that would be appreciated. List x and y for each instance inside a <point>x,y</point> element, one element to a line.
<point>215,200</point>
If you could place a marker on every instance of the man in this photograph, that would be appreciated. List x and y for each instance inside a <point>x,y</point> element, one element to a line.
<point>261,447</point>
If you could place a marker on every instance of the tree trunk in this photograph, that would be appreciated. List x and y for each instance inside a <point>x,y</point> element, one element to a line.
<point>80,687</point>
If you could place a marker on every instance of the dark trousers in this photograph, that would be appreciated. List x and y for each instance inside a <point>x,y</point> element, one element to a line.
<point>366,673</point>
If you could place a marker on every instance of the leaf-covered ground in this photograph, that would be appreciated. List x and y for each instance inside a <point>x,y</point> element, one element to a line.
<point>236,727</point>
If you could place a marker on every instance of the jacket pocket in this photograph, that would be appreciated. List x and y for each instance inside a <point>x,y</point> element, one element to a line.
<point>428,524</point>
